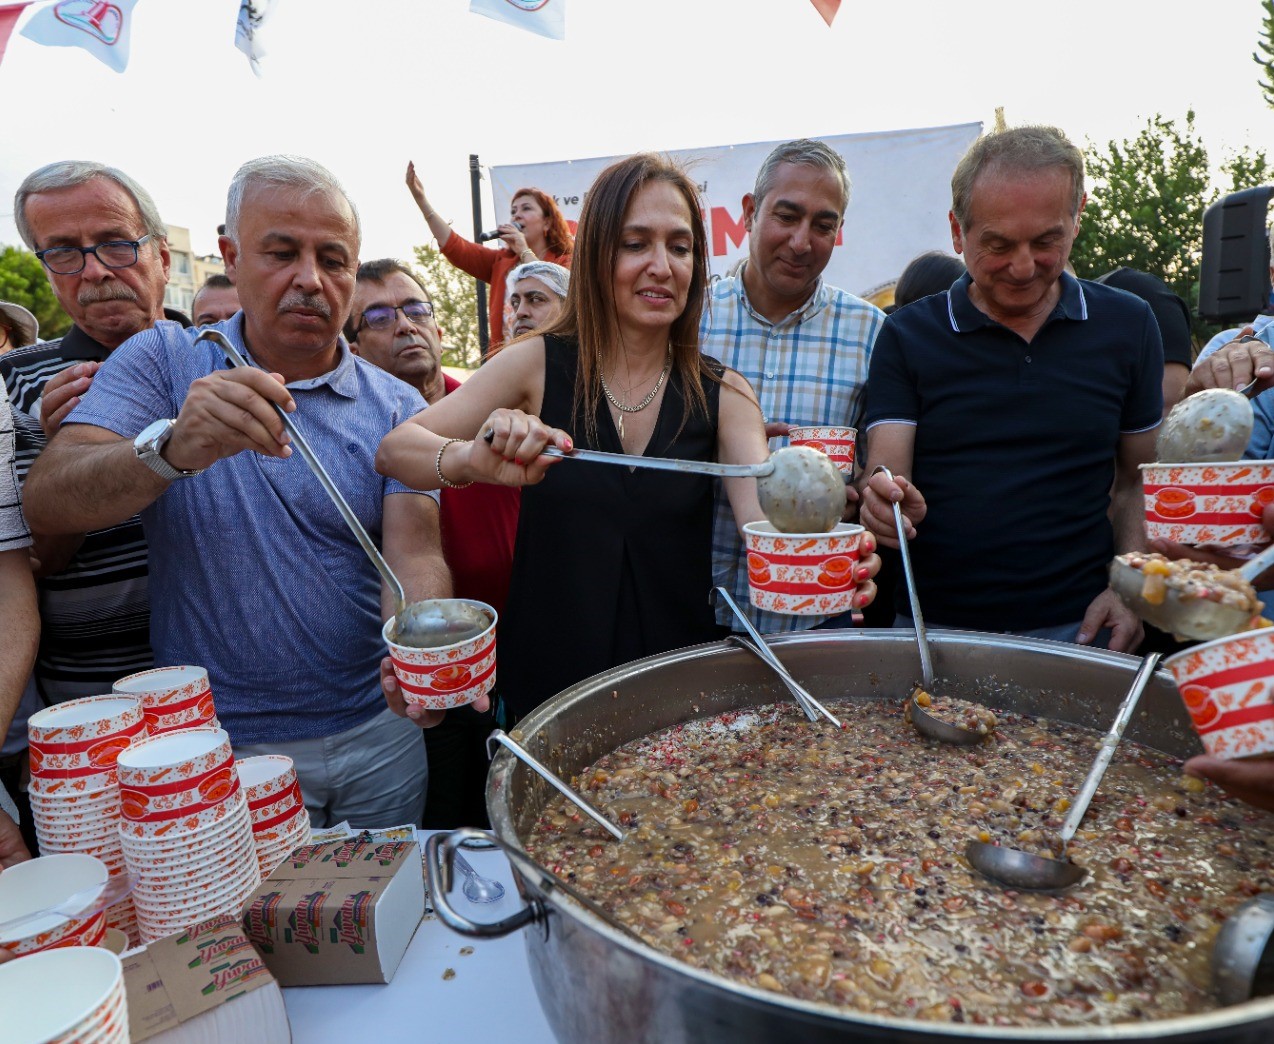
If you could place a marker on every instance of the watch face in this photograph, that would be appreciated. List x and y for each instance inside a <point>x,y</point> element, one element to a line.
<point>151,432</point>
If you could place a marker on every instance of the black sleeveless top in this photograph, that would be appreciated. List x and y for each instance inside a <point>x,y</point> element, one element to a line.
<point>610,564</point>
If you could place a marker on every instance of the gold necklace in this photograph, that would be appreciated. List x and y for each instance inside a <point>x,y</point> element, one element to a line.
<point>644,402</point>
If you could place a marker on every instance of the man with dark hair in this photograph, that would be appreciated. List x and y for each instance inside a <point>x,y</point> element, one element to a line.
<point>215,301</point>
<point>801,344</point>
<point>1173,318</point>
<point>239,527</point>
<point>104,249</point>
<point>392,325</point>
<point>1021,403</point>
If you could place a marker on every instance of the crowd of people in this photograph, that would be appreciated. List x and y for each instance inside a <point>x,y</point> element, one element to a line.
<point>152,511</point>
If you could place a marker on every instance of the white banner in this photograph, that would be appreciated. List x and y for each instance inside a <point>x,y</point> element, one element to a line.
<point>897,209</point>
<point>546,17</point>
<point>247,30</point>
<point>102,29</point>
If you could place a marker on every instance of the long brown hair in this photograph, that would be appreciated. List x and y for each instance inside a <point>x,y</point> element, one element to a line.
<point>589,315</point>
<point>557,235</point>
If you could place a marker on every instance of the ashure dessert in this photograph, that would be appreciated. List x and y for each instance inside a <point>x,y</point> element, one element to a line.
<point>827,865</point>
<point>1191,580</point>
<point>972,717</point>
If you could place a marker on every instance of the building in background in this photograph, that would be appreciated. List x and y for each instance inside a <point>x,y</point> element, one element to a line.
<point>187,271</point>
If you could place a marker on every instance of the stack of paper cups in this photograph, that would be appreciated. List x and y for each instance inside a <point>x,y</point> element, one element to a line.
<point>280,822</point>
<point>74,792</point>
<point>172,698</point>
<point>48,883</point>
<point>185,829</point>
<point>69,996</point>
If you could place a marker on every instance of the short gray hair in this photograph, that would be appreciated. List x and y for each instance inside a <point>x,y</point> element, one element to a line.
<point>809,153</point>
<point>282,171</point>
<point>555,277</point>
<point>67,174</point>
<point>1021,150</point>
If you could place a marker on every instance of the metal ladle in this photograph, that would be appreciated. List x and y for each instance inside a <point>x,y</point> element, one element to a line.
<point>1017,869</point>
<point>761,649</point>
<point>925,723</point>
<point>426,624</point>
<point>800,489</point>
<point>1199,619</point>
<point>1242,958</point>
<point>1211,425</point>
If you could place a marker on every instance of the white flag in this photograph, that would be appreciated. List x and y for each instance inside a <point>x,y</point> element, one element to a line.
<point>247,30</point>
<point>101,27</point>
<point>546,17</point>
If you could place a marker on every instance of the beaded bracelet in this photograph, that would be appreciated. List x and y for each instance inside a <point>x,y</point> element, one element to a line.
<point>442,479</point>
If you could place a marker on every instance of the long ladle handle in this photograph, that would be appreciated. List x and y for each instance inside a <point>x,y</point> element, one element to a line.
<point>1254,567</point>
<point>691,467</point>
<point>234,357</point>
<point>917,618</point>
<point>524,756</point>
<point>1108,745</point>
<point>761,648</point>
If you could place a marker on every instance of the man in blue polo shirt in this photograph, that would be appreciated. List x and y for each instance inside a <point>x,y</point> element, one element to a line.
<point>253,573</point>
<point>1014,411</point>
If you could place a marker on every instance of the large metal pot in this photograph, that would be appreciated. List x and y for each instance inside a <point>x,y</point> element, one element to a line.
<point>597,984</point>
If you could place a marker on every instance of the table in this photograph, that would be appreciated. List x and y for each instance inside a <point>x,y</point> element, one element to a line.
<point>490,993</point>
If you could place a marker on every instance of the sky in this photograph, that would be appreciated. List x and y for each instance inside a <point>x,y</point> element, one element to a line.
<point>365,85</point>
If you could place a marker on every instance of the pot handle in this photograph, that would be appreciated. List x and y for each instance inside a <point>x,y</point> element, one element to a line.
<point>440,852</point>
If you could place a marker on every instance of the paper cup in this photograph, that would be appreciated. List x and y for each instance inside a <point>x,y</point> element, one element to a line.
<point>172,697</point>
<point>450,675</point>
<point>802,574</point>
<point>175,757</point>
<point>48,881</point>
<point>836,443</point>
<point>1209,505</point>
<point>266,777</point>
<point>1226,686</point>
<point>60,993</point>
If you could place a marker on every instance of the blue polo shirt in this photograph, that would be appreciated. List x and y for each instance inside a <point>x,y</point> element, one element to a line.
<point>253,573</point>
<point>1015,447</point>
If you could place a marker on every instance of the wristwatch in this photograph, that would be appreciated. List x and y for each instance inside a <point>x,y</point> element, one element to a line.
<point>150,443</point>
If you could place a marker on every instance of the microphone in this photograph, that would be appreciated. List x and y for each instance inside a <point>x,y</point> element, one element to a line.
<point>496,233</point>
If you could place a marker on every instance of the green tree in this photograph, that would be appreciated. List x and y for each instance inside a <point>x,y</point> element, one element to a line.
<point>1264,53</point>
<point>455,298</point>
<point>1146,203</point>
<point>22,281</point>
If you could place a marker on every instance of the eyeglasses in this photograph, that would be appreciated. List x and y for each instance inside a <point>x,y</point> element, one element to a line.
<point>70,260</point>
<point>383,316</point>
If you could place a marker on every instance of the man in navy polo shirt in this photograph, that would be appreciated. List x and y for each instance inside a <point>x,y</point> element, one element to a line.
<point>1014,411</point>
<point>254,574</point>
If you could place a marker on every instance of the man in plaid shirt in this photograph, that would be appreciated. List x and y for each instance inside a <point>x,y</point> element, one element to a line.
<point>802,345</point>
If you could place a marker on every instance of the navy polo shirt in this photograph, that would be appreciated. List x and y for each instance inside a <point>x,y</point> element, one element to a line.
<point>1015,447</point>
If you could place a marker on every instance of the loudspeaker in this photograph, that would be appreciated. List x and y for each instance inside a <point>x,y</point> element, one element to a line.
<point>1234,280</point>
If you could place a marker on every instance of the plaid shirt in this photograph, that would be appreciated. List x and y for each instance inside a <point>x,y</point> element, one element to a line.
<point>807,369</point>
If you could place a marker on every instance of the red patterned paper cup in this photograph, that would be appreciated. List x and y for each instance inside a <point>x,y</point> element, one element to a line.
<point>1208,505</point>
<point>450,675</point>
<point>266,777</point>
<point>1227,687</point>
<point>802,574</point>
<point>179,694</point>
<point>48,881</point>
<point>836,443</point>
<point>173,758</point>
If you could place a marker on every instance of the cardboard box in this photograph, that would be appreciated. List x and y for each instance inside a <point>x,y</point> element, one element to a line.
<point>338,912</point>
<point>203,983</point>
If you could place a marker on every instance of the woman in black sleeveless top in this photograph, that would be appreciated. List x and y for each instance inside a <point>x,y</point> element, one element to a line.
<point>610,564</point>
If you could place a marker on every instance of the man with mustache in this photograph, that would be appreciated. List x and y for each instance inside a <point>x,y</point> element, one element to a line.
<point>254,573</point>
<point>105,253</point>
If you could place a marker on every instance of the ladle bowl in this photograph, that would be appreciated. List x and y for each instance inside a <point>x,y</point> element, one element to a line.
<point>1211,425</point>
<point>1199,619</point>
<point>1035,873</point>
<point>935,728</point>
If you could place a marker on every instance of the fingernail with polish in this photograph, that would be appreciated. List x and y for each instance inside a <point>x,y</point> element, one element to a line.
<point>861,573</point>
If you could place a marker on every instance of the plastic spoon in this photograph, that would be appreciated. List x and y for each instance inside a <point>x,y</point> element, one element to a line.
<point>425,624</point>
<point>478,889</point>
<point>1017,869</point>
<point>1200,619</point>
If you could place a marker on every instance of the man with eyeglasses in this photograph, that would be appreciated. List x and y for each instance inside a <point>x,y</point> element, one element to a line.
<point>104,250</point>
<point>254,574</point>
<point>392,325</point>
